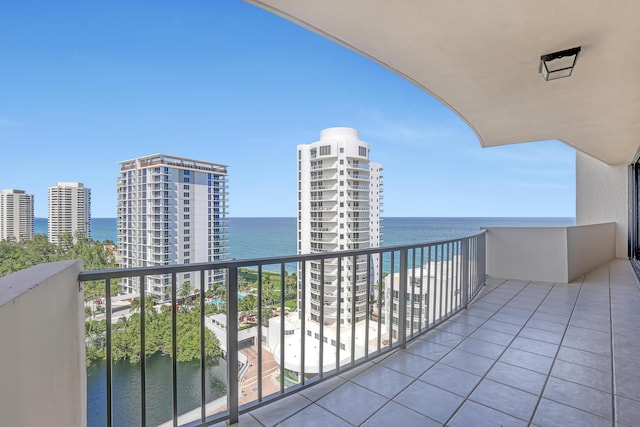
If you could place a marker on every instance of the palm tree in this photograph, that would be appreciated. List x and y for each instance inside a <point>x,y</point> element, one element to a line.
<point>248,305</point>
<point>135,305</point>
<point>185,290</point>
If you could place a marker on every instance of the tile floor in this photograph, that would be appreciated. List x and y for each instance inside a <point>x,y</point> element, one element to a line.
<point>524,353</point>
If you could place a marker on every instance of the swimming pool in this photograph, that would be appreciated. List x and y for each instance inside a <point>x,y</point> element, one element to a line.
<point>218,301</point>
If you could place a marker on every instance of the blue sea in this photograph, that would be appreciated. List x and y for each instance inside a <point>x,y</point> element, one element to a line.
<point>267,237</point>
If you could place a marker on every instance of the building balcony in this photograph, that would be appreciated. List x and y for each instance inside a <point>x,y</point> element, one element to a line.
<point>524,351</point>
<point>360,177</point>
<point>325,198</point>
<point>358,167</point>
<point>328,165</point>
<point>323,187</point>
<point>358,187</point>
<point>321,177</point>
<point>327,240</point>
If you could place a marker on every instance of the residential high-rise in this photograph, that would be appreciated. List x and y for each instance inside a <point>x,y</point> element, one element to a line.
<point>171,210</point>
<point>69,210</point>
<point>16,215</point>
<point>339,199</point>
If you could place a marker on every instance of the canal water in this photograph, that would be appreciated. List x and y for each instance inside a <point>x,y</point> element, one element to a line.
<point>126,390</point>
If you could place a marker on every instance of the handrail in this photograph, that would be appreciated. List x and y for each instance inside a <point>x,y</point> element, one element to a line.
<point>426,282</point>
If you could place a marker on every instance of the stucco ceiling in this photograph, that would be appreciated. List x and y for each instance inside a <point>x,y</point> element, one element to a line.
<point>480,58</point>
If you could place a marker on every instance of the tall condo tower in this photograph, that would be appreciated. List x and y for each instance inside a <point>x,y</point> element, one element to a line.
<point>69,210</point>
<point>171,210</point>
<point>339,199</point>
<point>16,215</point>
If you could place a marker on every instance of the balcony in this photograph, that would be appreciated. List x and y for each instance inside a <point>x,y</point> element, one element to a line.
<point>524,351</point>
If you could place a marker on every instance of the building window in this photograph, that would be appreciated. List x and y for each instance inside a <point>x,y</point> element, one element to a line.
<point>186,179</point>
<point>186,202</point>
<point>342,149</point>
<point>185,194</point>
<point>362,151</point>
<point>325,150</point>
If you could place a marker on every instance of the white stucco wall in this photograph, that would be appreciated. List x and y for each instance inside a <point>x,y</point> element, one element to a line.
<point>602,196</point>
<point>589,246</point>
<point>548,254</point>
<point>42,355</point>
<point>527,253</point>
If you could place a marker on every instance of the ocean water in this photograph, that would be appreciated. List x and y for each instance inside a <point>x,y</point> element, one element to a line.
<point>267,237</point>
<point>101,228</point>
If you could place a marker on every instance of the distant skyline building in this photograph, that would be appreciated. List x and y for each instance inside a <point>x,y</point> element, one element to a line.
<point>171,210</point>
<point>339,200</point>
<point>69,210</point>
<point>16,215</point>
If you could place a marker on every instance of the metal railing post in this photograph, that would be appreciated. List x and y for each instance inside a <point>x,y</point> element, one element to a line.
<point>109,351</point>
<point>232,345</point>
<point>402,298</point>
<point>464,254</point>
<point>482,259</point>
<point>143,358</point>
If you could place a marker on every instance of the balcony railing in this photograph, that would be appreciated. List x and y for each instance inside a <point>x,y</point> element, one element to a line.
<point>457,275</point>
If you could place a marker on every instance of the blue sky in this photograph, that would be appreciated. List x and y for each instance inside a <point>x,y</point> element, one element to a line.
<point>84,85</point>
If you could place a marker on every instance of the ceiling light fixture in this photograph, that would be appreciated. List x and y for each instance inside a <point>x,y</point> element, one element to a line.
<point>558,64</point>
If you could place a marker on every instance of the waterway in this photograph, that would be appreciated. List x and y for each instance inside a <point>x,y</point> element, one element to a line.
<point>126,390</point>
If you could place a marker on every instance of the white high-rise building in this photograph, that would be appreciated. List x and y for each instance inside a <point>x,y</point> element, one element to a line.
<point>69,210</point>
<point>16,215</point>
<point>339,200</point>
<point>171,210</point>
